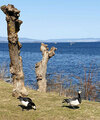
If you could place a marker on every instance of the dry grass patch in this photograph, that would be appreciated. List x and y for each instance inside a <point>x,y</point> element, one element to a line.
<point>49,107</point>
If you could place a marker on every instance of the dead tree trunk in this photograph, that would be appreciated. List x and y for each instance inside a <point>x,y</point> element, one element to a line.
<point>41,67</point>
<point>16,68</point>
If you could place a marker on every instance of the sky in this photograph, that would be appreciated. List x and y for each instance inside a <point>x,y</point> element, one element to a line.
<point>55,19</point>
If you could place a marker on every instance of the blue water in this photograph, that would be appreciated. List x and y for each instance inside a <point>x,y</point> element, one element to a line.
<point>68,60</point>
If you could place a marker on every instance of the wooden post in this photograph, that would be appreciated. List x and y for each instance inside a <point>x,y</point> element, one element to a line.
<point>16,68</point>
<point>41,67</point>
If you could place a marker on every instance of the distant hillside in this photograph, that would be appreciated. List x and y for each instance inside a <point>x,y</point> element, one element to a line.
<point>24,40</point>
<point>4,39</point>
<point>75,40</point>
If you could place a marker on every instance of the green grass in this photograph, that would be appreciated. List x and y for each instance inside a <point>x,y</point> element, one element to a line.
<point>49,107</point>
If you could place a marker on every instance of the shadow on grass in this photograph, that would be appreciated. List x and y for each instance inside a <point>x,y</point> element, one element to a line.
<point>25,108</point>
<point>70,107</point>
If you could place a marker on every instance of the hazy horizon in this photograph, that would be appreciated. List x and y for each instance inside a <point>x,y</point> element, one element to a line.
<point>22,39</point>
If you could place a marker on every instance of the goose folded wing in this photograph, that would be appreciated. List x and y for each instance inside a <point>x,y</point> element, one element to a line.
<point>68,100</point>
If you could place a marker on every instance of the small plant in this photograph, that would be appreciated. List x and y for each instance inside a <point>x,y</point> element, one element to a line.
<point>3,71</point>
<point>67,86</point>
<point>89,84</point>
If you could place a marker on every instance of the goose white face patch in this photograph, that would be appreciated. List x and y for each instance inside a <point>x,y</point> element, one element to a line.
<point>25,103</point>
<point>79,92</point>
<point>34,107</point>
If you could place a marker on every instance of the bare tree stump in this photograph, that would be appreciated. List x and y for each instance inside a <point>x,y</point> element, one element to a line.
<point>16,68</point>
<point>41,67</point>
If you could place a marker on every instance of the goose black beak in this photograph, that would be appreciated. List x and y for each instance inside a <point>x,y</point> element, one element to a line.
<point>19,97</point>
<point>63,101</point>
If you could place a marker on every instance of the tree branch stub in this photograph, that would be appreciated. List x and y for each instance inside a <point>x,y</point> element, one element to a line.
<point>41,67</point>
<point>16,68</point>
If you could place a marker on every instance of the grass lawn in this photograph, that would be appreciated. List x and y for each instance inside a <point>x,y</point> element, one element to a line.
<point>49,107</point>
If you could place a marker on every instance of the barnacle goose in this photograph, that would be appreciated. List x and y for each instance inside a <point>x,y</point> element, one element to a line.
<point>27,102</point>
<point>74,101</point>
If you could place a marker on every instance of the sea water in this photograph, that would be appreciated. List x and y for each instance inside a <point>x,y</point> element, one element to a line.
<point>70,59</point>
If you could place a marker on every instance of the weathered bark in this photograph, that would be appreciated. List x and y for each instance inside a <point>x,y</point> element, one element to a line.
<point>16,68</point>
<point>41,67</point>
